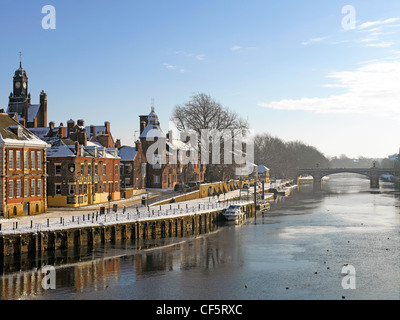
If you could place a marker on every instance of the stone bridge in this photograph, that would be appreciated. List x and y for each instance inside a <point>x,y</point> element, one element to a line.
<point>373,173</point>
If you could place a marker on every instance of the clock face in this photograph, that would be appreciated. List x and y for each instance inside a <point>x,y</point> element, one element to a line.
<point>24,85</point>
<point>17,85</point>
<point>71,168</point>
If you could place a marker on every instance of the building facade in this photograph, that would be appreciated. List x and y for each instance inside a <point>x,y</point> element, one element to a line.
<point>80,172</point>
<point>23,170</point>
<point>165,165</point>
<point>133,169</point>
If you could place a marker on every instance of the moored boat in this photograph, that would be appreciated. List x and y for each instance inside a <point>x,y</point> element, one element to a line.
<point>234,213</point>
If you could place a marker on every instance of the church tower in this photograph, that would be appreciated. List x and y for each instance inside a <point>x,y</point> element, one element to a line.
<point>19,104</point>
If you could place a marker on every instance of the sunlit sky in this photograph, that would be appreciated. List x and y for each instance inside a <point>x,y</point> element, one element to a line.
<point>289,67</point>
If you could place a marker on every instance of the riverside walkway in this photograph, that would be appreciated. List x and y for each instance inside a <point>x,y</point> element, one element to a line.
<point>61,220</point>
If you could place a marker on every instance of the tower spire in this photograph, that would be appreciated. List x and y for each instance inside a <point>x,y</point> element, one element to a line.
<point>20,60</point>
<point>152,104</point>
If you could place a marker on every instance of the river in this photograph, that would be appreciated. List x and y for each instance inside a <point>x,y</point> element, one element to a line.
<point>296,251</point>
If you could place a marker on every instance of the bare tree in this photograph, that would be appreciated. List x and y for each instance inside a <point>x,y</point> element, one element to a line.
<point>204,112</point>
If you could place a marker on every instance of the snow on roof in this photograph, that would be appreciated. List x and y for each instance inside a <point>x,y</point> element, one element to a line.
<point>32,112</point>
<point>11,132</point>
<point>40,132</point>
<point>262,169</point>
<point>152,131</point>
<point>59,149</point>
<point>127,153</point>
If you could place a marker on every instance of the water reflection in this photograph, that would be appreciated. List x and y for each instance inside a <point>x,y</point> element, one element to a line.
<point>343,217</point>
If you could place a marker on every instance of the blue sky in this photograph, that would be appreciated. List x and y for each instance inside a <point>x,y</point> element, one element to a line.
<point>288,67</point>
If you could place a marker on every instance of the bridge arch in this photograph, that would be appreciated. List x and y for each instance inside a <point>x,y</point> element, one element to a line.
<point>372,173</point>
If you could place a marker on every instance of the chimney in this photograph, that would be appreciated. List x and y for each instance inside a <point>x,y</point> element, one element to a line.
<point>77,148</point>
<point>62,132</point>
<point>70,126</point>
<point>81,123</point>
<point>170,136</point>
<point>92,131</point>
<point>1,110</point>
<point>107,125</point>
<point>138,145</point>
<point>43,109</point>
<point>118,144</point>
<point>51,125</point>
<point>142,126</point>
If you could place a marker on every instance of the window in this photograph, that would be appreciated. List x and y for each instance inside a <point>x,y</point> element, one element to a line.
<point>11,160</point>
<point>33,187</point>
<point>116,186</point>
<point>58,169</point>
<point>26,160</point>
<point>116,169</point>
<point>71,189</point>
<point>58,188</point>
<point>26,188</point>
<point>85,188</point>
<point>156,179</point>
<point>33,163</point>
<point>82,167</point>
<point>80,189</point>
<point>11,189</point>
<point>18,188</point>
<point>104,187</point>
<point>18,158</point>
<point>39,160</point>
<point>104,169</point>
<point>95,169</point>
<point>39,187</point>
<point>96,187</point>
<point>89,169</point>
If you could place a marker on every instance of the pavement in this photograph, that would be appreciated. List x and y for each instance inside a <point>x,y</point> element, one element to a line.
<point>128,210</point>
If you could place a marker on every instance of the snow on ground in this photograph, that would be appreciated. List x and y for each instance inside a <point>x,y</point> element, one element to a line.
<point>61,220</point>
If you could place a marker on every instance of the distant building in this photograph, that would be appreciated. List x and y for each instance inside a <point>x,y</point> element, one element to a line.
<point>23,170</point>
<point>263,173</point>
<point>19,104</point>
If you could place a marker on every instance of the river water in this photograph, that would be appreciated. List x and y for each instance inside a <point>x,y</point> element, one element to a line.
<point>296,251</point>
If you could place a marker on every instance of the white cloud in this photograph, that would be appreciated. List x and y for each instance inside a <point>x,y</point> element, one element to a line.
<point>313,40</point>
<point>235,48</point>
<point>174,68</point>
<point>370,24</point>
<point>371,89</point>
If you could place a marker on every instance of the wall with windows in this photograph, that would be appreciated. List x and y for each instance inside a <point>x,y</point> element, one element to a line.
<point>24,182</point>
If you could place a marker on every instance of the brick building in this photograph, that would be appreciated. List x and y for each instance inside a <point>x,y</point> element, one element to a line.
<point>133,169</point>
<point>165,167</point>
<point>23,170</point>
<point>80,172</point>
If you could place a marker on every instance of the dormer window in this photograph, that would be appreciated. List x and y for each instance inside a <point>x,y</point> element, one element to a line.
<point>17,130</point>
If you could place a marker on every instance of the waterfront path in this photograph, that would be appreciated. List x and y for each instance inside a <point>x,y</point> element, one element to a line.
<point>132,211</point>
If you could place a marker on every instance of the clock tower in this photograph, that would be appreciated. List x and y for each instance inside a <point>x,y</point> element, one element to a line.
<point>19,104</point>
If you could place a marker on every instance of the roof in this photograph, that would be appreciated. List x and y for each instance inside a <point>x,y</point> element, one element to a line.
<point>127,153</point>
<point>262,169</point>
<point>14,133</point>
<point>32,112</point>
<point>40,132</point>
<point>152,131</point>
<point>66,148</point>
